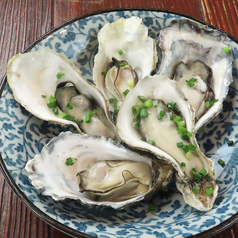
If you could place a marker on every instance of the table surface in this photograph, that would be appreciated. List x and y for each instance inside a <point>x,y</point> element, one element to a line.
<point>23,21</point>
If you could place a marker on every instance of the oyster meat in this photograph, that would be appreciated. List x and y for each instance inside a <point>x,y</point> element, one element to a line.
<point>185,41</point>
<point>125,55</point>
<point>156,117</point>
<point>95,170</point>
<point>51,87</point>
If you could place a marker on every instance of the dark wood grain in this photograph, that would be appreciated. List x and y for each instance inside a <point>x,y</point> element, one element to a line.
<point>23,21</point>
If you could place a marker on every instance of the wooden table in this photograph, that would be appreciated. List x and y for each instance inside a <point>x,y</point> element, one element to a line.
<point>23,21</point>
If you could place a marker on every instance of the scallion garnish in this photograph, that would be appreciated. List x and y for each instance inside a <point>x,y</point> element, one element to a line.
<point>79,121</point>
<point>148,103</point>
<point>153,208</point>
<point>43,96</point>
<point>230,143</point>
<point>104,73</point>
<point>111,100</point>
<point>172,107</point>
<point>130,83</point>
<point>191,147</point>
<point>96,110</point>
<point>122,64</point>
<point>183,164</point>
<point>185,149</point>
<point>210,103</point>
<point>143,113</point>
<point>59,75</point>
<point>143,139</point>
<point>181,123</point>
<point>136,125</point>
<point>191,82</point>
<point>126,92</point>
<point>56,111</point>
<point>177,119</point>
<point>52,102</point>
<point>188,155</point>
<point>120,52</point>
<point>209,191</point>
<point>70,161</point>
<point>196,189</point>
<point>116,110</point>
<point>136,113</point>
<point>69,106</point>
<point>142,98</point>
<point>181,129</point>
<point>196,176</point>
<point>151,142</point>
<point>63,114</point>
<point>221,162</point>
<point>161,115</point>
<point>140,105</point>
<point>180,144</point>
<point>203,172</point>
<point>87,117</point>
<point>226,49</point>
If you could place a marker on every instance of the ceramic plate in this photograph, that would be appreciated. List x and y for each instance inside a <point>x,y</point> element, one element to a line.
<point>22,136</point>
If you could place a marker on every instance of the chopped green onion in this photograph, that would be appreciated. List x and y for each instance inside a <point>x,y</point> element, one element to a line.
<point>52,102</point>
<point>181,123</point>
<point>126,92</point>
<point>177,119</point>
<point>104,73</point>
<point>210,103</point>
<point>226,49</point>
<point>148,103</point>
<point>153,208</point>
<point>70,161</point>
<point>144,113</point>
<point>208,178</point>
<point>196,189</point>
<point>156,105</point>
<point>181,76</point>
<point>87,117</point>
<point>188,155</point>
<point>203,172</point>
<point>185,149</point>
<point>180,144</point>
<point>122,64</point>
<point>63,115</point>
<point>209,191</point>
<point>79,121</point>
<point>191,147</point>
<point>130,83</point>
<point>196,119</point>
<point>161,115</point>
<point>56,111</point>
<point>151,142</point>
<point>230,143</point>
<point>171,117</point>
<point>96,110</point>
<point>136,125</point>
<point>142,98</point>
<point>43,96</point>
<point>186,135</point>
<point>183,164</point>
<point>116,110</point>
<point>120,52</point>
<point>136,113</point>
<point>221,162</point>
<point>59,75</point>
<point>171,105</point>
<point>140,105</point>
<point>115,102</point>
<point>111,100</point>
<point>191,82</point>
<point>143,139</point>
<point>69,106</point>
<point>197,177</point>
<point>181,129</point>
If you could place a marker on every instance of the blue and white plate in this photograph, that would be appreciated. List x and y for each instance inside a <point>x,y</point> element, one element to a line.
<point>22,136</point>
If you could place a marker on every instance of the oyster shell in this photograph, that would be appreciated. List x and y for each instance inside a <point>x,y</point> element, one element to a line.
<point>186,41</point>
<point>38,77</point>
<point>101,172</point>
<point>127,41</point>
<point>168,132</point>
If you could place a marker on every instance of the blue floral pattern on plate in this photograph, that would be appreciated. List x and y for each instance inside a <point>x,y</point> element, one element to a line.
<point>22,136</point>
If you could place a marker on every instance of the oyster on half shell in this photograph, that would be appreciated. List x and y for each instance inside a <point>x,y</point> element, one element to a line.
<point>101,173</point>
<point>185,41</point>
<point>156,117</point>
<point>125,55</point>
<point>51,87</point>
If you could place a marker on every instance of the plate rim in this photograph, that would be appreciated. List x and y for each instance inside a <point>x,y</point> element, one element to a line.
<point>33,208</point>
